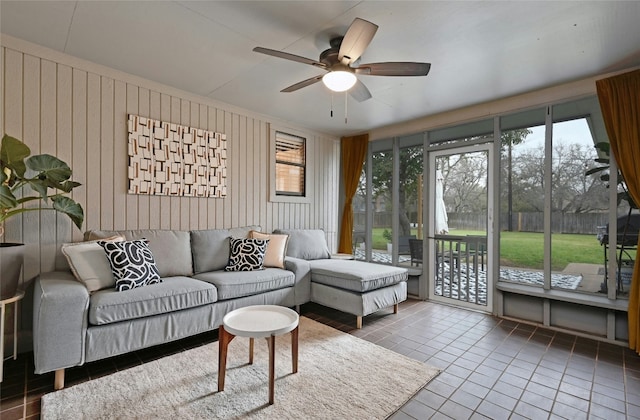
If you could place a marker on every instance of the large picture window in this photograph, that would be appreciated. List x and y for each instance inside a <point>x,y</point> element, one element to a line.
<point>290,165</point>
<point>555,212</point>
<point>548,194</point>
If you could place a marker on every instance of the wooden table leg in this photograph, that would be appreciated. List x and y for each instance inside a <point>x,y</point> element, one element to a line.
<point>1,339</point>
<point>294,349</point>
<point>272,367</point>
<point>251,350</point>
<point>224,338</point>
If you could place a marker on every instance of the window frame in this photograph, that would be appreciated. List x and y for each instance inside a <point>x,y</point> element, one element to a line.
<point>308,167</point>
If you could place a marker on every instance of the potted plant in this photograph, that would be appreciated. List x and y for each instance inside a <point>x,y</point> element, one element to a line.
<point>388,235</point>
<point>20,176</point>
<point>604,153</point>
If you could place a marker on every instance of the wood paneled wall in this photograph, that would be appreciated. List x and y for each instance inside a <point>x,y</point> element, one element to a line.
<point>78,112</point>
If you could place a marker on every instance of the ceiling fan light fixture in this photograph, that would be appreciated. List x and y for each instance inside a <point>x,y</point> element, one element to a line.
<point>342,62</point>
<point>339,80</point>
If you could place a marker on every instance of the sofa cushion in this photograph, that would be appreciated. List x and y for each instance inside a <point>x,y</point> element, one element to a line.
<point>357,276</point>
<point>171,248</point>
<point>246,254</point>
<point>307,244</point>
<point>132,264</point>
<point>210,249</point>
<point>243,231</point>
<point>89,263</point>
<point>235,284</point>
<point>276,248</point>
<point>173,294</point>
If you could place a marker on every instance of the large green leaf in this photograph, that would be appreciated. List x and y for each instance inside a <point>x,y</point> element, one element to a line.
<point>7,199</point>
<point>12,154</point>
<point>65,186</point>
<point>69,207</point>
<point>40,187</point>
<point>49,167</point>
<point>68,185</point>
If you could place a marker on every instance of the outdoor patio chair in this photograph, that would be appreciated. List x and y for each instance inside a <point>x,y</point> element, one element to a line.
<point>415,249</point>
<point>403,244</point>
<point>477,247</point>
<point>448,254</point>
<point>359,237</point>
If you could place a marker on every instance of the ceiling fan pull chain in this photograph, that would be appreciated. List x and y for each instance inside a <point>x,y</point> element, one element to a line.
<point>331,104</point>
<point>345,107</point>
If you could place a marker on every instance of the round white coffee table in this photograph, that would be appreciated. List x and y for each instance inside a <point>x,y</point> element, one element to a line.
<point>259,321</point>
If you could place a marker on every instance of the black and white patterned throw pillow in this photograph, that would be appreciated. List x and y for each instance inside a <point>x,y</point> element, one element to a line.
<point>246,254</point>
<point>132,264</point>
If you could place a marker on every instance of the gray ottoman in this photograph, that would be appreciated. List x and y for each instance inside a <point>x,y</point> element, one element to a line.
<point>357,287</point>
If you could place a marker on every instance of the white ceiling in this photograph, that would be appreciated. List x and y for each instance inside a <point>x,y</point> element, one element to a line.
<point>479,50</point>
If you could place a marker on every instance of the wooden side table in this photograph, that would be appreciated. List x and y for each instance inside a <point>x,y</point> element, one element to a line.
<point>258,321</point>
<point>3,304</point>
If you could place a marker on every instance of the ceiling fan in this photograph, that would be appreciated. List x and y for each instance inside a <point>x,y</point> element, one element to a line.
<point>338,60</point>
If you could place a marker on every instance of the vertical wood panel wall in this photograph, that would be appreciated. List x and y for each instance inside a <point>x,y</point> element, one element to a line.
<point>59,107</point>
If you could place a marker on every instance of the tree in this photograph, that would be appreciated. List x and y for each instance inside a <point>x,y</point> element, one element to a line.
<point>508,140</point>
<point>528,180</point>
<point>410,169</point>
<point>465,179</point>
<point>411,159</point>
<point>572,190</point>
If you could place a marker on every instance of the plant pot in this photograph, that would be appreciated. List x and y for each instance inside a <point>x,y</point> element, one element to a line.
<point>11,260</point>
<point>389,248</point>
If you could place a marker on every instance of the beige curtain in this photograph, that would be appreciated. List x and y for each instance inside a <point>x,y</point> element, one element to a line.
<point>354,151</point>
<point>619,98</point>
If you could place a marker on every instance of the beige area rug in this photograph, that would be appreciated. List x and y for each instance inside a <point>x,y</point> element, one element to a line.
<point>339,377</point>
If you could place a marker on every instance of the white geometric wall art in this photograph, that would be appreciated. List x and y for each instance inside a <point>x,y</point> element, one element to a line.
<point>176,160</point>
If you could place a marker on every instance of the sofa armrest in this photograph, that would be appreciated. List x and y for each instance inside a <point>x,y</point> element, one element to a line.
<point>60,314</point>
<point>302,271</point>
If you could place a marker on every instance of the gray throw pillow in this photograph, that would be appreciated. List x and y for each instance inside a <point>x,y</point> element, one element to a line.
<point>210,249</point>
<point>306,244</point>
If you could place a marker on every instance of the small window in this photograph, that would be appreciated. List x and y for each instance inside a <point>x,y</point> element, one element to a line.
<point>290,165</point>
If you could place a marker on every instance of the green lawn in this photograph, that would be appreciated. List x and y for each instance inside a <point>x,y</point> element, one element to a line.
<point>525,249</point>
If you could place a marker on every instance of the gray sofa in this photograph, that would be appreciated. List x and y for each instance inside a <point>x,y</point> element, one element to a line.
<point>73,326</point>
<point>355,287</point>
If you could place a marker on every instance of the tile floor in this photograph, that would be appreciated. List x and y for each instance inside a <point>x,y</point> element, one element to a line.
<point>491,368</point>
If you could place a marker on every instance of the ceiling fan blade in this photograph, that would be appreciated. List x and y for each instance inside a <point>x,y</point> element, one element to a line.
<point>359,92</point>
<point>302,84</point>
<point>397,68</point>
<point>356,40</point>
<point>287,56</point>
